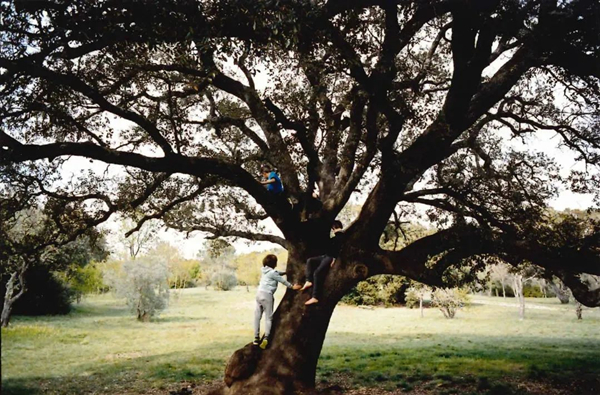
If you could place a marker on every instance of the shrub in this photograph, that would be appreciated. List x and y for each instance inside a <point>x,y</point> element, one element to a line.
<point>378,290</point>
<point>46,294</point>
<point>223,280</point>
<point>183,273</point>
<point>86,280</point>
<point>532,291</point>
<point>143,283</point>
<point>414,295</point>
<point>353,298</point>
<point>449,300</point>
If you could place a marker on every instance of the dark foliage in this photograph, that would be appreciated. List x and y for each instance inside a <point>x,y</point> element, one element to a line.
<point>46,295</point>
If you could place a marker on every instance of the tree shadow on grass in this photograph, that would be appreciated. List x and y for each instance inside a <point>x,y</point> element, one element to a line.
<point>441,360</point>
<point>435,363</point>
<point>78,312</point>
<point>129,373</point>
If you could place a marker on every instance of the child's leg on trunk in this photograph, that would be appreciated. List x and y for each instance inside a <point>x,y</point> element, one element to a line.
<point>311,265</point>
<point>267,303</point>
<point>258,311</point>
<point>320,275</point>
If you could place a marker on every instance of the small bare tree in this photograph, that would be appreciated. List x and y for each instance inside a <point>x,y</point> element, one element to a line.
<point>417,292</point>
<point>136,238</point>
<point>449,300</point>
<point>579,310</point>
<point>500,272</point>
<point>14,290</point>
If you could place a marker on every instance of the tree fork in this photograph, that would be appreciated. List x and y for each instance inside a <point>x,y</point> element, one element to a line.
<point>289,364</point>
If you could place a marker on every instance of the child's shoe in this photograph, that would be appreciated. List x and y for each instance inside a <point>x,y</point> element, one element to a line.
<point>264,343</point>
<point>256,341</point>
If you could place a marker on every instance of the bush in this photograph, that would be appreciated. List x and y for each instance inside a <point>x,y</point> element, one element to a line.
<point>449,300</point>
<point>532,291</point>
<point>353,297</point>
<point>413,296</point>
<point>143,283</point>
<point>223,280</point>
<point>183,273</point>
<point>378,290</point>
<point>86,280</point>
<point>46,294</point>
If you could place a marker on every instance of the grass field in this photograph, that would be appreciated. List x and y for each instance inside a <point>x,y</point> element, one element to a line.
<point>100,348</point>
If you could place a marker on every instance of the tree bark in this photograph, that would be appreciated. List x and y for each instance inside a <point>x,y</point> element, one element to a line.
<point>289,364</point>
<point>518,285</point>
<point>562,292</point>
<point>9,298</point>
<point>8,301</point>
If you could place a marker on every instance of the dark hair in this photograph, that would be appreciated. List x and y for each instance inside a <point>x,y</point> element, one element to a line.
<point>270,260</point>
<point>337,225</point>
<point>265,168</point>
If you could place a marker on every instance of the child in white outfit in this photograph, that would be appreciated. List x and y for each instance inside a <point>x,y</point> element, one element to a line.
<point>265,300</point>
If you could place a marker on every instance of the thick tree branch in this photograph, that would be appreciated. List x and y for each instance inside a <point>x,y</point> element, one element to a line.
<point>277,207</point>
<point>202,186</point>
<point>302,133</point>
<point>228,232</point>
<point>267,123</point>
<point>427,258</point>
<point>71,81</point>
<point>412,261</point>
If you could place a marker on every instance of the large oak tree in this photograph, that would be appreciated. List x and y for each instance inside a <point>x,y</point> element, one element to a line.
<point>410,103</point>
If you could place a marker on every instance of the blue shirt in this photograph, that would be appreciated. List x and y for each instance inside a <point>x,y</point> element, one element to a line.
<point>275,187</point>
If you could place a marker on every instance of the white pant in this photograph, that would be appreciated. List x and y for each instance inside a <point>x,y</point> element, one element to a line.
<point>264,302</point>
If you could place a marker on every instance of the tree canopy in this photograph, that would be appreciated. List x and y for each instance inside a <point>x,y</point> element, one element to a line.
<point>431,104</point>
<point>411,103</point>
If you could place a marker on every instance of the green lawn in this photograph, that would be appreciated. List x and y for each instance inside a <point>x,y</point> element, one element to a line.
<point>100,348</point>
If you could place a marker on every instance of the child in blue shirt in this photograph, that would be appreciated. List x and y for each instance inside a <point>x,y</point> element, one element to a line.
<point>271,180</point>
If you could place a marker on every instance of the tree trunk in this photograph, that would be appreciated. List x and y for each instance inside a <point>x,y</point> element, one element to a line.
<point>518,285</point>
<point>562,292</point>
<point>6,310</point>
<point>579,311</point>
<point>289,364</point>
<point>9,298</point>
<point>542,284</point>
<point>421,304</point>
<point>503,288</point>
